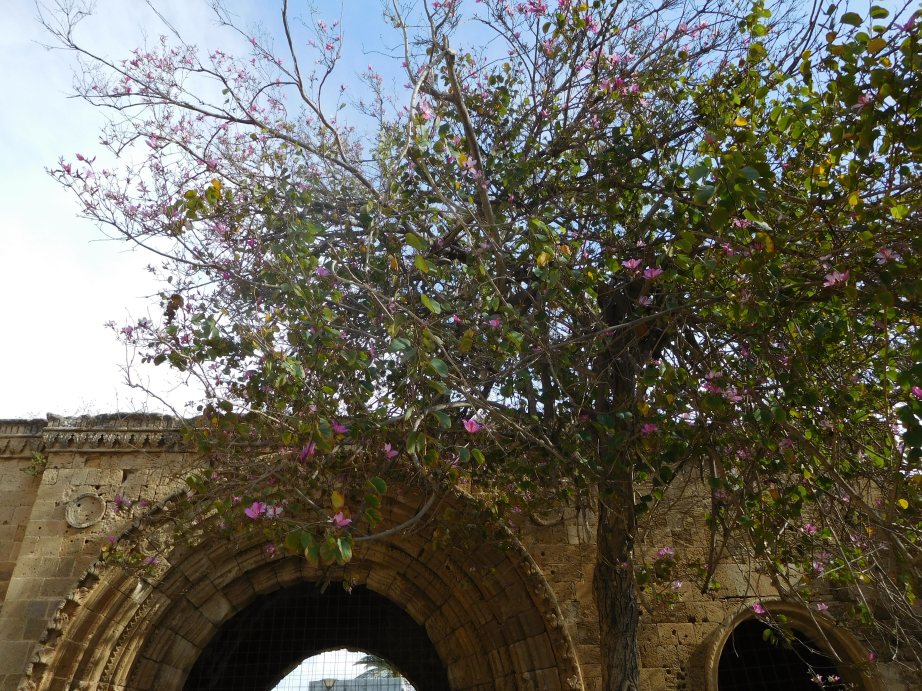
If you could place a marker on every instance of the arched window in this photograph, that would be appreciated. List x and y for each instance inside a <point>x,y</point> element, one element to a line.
<point>785,648</point>
<point>757,657</point>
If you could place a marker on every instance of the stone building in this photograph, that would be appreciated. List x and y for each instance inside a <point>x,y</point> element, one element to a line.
<point>519,616</point>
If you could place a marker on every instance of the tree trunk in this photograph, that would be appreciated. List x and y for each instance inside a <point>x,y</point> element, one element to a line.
<point>614,587</point>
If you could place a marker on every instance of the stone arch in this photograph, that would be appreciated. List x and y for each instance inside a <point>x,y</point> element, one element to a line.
<point>489,612</point>
<point>822,631</point>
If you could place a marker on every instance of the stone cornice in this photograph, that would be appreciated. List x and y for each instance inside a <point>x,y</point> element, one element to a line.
<point>113,432</point>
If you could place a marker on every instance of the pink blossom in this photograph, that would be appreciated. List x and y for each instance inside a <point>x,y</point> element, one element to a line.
<point>273,511</point>
<point>150,561</point>
<point>810,529</point>
<point>255,510</point>
<point>864,100</point>
<point>645,300</point>
<point>340,521</point>
<point>665,553</point>
<point>631,264</point>
<point>909,25</point>
<point>339,428</point>
<point>425,111</point>
<point>389,451</point>
<point>916,391</point>
<point>322,271</point>
<point>651,273</point>
<point>835,278</point>
<point>758,608</point>
<point>494,323</point>
<point>885,255</point>
<point>649,428</point>
<point>472,426</point>
<point>310,448</point>
<point>871,656</point>
<point>821,606</point>
<point>732,395</point>
<point>122,502</point>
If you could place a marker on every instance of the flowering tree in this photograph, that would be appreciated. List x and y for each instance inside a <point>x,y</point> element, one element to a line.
<point>617,244</point>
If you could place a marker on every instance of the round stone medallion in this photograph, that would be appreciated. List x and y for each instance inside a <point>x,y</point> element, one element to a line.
<point>84,510</point>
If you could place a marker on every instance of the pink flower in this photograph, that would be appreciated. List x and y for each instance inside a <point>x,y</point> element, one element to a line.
<point>273,511</point>
<point>255,510</point>
<point>665,553</point>
<point>631,264</point>
<point>885,255</point>
<point>322,271</point>
<point>650,273</point>
<point>339,428</point>
<point>758,608</point>
<point>309,450</point>
<point>864,100</point>
<point>916,391</point>
<point>645,300</point>
<point>494,323</point>
<point>472,426</point>
<point>340,521</point>
<point>389,451</point>
<point>122,502</point>
<point>810,529</point>
<point>835,278</point>
<point>872,656</point>
<point>909,25</point>
<point>648,428</point>
<point>425,111</point>
<point>821,606</point>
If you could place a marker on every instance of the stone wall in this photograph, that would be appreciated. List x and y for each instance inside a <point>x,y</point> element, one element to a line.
<point>519,617</point>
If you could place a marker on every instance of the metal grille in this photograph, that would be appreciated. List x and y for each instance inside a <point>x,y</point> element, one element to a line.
<point>344,670</point>
<point>749,662</point>
<point>276,643</point>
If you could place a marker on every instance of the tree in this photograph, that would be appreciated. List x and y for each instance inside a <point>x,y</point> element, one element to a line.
<point>615,244</point>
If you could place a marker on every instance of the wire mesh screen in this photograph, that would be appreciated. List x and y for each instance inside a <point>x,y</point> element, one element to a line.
<point>345,670</point>
<point>750,661</point>
<point>276,643</point>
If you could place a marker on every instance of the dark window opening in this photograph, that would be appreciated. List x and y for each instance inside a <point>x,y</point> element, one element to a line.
<point>753,660</point>
<point>263,643</point>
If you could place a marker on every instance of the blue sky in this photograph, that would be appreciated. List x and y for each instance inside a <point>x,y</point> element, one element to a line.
<point>60,279</point>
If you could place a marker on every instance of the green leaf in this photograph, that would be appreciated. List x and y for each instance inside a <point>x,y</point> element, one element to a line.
<point>852,18</point>
<point>467,341</point>
<point>443,418</point>
<point>416,242</point>
<point>704,193</point>
<point>399,344</point>
<point>439,366</point>
<point>420,263</point>
<point>344,545</point>
<point>432,305</point>
<point>899,212</point>
<point>750,173</point>
<point>878,12</point>
<point>378,484</point>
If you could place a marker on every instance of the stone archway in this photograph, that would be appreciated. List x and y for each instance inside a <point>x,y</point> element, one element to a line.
<point>275,633</point>
<point>488,612</point>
